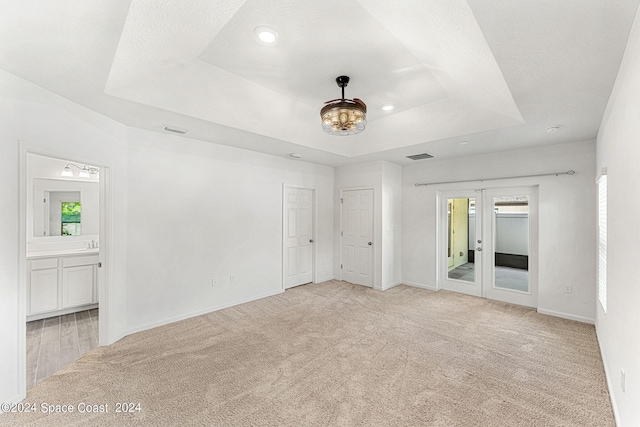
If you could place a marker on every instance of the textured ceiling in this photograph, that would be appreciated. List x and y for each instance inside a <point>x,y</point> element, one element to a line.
<point>495,73</point>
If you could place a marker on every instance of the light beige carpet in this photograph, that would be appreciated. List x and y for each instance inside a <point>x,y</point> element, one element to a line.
<point>335,354</point>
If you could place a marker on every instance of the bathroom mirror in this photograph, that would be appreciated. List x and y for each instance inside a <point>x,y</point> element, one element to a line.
<point>64,208</point>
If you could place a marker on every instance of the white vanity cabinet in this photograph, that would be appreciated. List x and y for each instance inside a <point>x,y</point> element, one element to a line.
<point>43,291</point>
<point>77,286</point>
<point>62,284</point>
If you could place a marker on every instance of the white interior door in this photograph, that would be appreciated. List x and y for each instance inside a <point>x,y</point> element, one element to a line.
<point>298,236</point>
<point>461,242</point>
<point>357,237</point>
<point>497,231</point>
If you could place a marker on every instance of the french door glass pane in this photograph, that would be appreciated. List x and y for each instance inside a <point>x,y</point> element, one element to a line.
<point>460,239</point>
<point>511,237</point>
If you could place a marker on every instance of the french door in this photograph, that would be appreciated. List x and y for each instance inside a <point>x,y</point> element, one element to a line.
<point>488,243</point>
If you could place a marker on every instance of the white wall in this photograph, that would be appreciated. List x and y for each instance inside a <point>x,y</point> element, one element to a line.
<point>50,125</point>
<point>9,244</point>
<point>391,224</point>
<point>619,151</point>
<point>199,210</point>
<point>566,210</point>
<point>161,260</point>
<point>385,180</point>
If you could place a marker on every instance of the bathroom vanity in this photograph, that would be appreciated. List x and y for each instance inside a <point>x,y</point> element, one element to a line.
<point>62,283</point>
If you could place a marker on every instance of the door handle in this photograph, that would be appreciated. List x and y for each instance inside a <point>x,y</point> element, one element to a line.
<point>370,243</point>
<point>311,241</point>
<point>478,249</point>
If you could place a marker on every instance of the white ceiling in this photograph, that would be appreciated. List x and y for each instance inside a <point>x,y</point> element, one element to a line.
<point>495,73</point>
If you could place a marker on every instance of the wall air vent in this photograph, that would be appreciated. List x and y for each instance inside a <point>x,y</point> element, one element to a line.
<point>420,156</point>
<point>175,129</point>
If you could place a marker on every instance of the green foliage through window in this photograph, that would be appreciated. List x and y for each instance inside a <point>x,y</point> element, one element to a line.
<point>71,218</point>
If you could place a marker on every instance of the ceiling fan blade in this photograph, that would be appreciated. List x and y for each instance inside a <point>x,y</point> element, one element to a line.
<point>359,101</point>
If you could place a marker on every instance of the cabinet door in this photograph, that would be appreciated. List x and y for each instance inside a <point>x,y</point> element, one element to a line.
<point>77,286</point>
<point>43,290</point>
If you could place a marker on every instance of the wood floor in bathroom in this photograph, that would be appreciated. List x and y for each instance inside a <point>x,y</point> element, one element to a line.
<point>56,342</point>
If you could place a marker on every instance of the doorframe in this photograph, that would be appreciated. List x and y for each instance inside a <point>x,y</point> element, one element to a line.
<point>314,228</point>
<point>105,232</point>
<point>374,253</point>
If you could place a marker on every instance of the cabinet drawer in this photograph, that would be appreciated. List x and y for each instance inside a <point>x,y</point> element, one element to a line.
<point>80,260</point>
<point>41,264</point>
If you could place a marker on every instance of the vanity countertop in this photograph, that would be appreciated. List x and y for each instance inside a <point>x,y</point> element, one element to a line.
<point>63,252</point>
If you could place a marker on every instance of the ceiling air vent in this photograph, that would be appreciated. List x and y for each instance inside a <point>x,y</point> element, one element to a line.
<point>420,156</point>
<point>175,129</point>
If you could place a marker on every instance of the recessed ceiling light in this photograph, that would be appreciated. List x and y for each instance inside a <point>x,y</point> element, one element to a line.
<point>553,129</point>
<point>266,35</point>
<point>463,142</point>
<point>387,107</point>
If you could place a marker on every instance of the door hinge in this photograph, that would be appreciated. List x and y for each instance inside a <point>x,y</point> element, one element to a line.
<point>342,233</point>
<point>340,266</point>
<point>341,200</point>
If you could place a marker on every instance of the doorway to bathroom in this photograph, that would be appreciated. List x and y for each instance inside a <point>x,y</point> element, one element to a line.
<point>63,204</point>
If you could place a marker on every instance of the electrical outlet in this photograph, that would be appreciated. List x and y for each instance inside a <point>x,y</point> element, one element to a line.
<point>622,379</point>
<point>568,289</point>
<point>232,278</point>
<point>214,282</point>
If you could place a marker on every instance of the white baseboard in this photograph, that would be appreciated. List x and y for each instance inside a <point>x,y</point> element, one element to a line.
<point>55,313</point>
<point>612,398</point>
<point>391,285</point>
<point>198,313</point>
<point>14,399</point>
<point>118,337</point>
<point>325,279</point>
<point>567,316</point>
<point>420,285</point>
<point>614,406</point>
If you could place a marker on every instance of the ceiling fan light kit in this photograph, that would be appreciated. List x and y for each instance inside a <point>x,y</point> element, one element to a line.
<point>344,116</point>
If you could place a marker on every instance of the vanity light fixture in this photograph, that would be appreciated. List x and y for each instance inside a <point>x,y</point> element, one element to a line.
<point>85,171</point>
